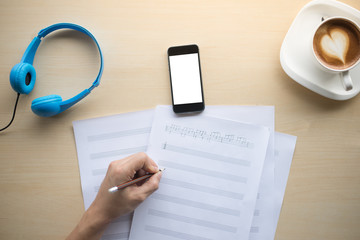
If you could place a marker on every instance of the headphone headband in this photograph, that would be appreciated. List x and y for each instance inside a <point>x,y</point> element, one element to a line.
<point>29,54</point>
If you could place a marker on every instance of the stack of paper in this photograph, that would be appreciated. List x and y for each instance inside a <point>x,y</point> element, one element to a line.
<point>220,180</point>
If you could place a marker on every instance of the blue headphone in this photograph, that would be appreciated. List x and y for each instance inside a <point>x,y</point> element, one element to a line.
<point>23,75</point>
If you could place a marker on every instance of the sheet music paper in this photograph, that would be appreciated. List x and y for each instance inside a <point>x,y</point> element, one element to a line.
<point>102,140</point>
<point>263,225</point>
<point>209,187</point>
<point>284,151</point>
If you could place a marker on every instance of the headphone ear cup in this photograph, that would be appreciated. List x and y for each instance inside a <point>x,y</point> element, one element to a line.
<point>22,78</point>
<point>46,106</point>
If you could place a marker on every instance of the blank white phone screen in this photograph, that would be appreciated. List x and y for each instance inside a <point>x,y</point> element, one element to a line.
<point>185,78</point>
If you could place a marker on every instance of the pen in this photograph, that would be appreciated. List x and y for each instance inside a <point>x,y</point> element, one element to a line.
<point>125,184</point>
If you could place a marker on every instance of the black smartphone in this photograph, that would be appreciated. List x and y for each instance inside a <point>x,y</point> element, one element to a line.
<point>185,79</point>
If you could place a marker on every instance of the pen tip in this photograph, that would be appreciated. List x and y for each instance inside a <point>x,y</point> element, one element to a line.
<point>161,169</point>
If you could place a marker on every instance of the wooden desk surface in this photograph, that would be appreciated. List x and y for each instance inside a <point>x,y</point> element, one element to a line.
<point>239,44</point>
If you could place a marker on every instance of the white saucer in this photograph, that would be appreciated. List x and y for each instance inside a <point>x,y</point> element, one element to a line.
<point>296,54</point>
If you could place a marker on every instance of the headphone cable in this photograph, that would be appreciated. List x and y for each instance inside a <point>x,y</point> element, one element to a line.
<point>13,116</point>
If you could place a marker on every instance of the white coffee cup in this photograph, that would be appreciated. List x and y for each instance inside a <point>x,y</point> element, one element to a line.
<point>336,47</point>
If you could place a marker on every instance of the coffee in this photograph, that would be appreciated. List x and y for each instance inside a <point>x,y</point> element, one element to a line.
<point>336,44</point>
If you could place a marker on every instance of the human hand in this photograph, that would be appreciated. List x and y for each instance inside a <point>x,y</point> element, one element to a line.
<point>113,205</point>
<point>108,206</point>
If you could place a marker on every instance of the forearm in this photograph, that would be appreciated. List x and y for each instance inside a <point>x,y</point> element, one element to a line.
<point>91,226</point>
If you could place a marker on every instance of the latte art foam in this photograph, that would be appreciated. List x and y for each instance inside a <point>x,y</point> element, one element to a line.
<point>337,44</point>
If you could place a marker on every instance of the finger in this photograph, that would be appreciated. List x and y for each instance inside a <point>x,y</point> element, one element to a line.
<point>151,185</point>
<point>141,161</point>
<point>140,173</point>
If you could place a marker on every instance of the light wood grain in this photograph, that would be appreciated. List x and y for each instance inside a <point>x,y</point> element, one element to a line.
<point>239,45</point>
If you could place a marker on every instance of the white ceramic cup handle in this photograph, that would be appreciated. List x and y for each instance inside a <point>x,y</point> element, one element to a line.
<point>346,80</point>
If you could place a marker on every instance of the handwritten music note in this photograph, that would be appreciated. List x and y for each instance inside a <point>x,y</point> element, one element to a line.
<point>208,136</point>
